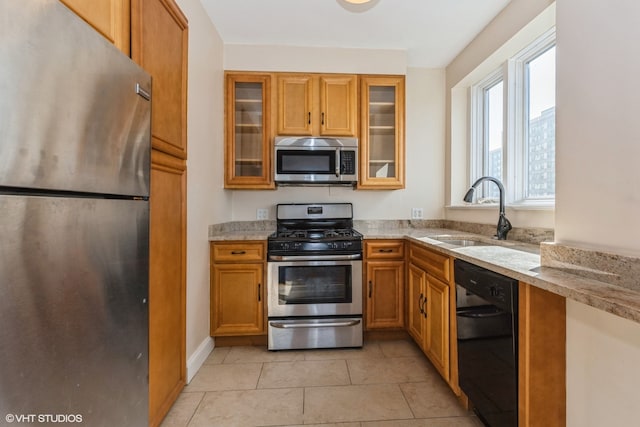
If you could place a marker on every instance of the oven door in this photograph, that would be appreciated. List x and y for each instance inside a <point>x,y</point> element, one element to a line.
<point>314,288</point>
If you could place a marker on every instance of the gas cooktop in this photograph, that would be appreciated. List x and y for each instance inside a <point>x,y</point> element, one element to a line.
<point>314,229</point>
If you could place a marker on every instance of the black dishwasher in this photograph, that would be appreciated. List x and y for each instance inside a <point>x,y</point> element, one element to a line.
<point>487,322</point>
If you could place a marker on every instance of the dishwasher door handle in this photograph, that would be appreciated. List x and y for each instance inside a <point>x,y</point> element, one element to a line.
<point>479,314</point>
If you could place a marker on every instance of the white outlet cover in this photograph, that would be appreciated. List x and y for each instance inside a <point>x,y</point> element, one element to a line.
<point>262,214</point>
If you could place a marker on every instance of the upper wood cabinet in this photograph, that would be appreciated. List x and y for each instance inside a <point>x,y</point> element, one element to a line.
<point>248,131</point>
<point>382,147</point>
<point>159,37</point>
<point>319,105</point>
<point>111,18</point>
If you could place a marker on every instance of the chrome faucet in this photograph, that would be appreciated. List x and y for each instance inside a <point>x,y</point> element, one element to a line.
<point>503,223</point>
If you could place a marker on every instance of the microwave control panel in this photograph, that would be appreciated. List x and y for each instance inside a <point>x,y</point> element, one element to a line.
<point>347,162</point>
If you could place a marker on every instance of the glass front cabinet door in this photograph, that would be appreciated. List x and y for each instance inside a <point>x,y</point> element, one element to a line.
<point>248,131</point>
<point>382,132</point>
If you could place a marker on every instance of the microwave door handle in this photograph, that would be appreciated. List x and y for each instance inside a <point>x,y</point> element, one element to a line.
<point>337,163</point>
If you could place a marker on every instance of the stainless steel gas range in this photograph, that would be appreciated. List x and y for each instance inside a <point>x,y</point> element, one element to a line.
<point>314,278</point>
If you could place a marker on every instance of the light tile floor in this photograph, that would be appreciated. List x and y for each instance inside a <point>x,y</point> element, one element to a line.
<point>384,384</point>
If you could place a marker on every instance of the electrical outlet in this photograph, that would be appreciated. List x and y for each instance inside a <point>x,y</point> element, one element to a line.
<point>417,213</point>
<point>262,214</point>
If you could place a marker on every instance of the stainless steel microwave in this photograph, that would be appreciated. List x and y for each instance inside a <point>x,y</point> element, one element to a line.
<point>316,160</point>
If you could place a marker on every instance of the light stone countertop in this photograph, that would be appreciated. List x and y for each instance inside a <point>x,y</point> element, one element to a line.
<point>517,260</point>
<point>242,230</point>
<point>241,235</point>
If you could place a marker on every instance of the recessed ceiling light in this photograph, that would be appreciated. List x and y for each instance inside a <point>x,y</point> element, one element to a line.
<point>357,6</point>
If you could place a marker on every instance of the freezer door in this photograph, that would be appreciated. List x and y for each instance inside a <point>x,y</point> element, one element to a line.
<point>71,117</point>
<point>73,309</point>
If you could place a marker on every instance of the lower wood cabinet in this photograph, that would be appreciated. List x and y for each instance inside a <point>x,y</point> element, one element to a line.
<point>383,284</point>
<point>416,286</point>
<point>429,306</point>
<point>541,358</point>
<point>429,316</point>
<point>167,283</point>
<point>238,288</point>
<point>436,314</point>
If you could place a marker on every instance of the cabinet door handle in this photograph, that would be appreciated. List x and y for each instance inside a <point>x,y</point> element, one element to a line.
<point>420,303</point>
<point>238,252</point>
<point>370,286</point>
<point>309,119</point>
<point>386,251</point>
<point>323,119</point>
<point>259,292</point>
<point>424,310</point>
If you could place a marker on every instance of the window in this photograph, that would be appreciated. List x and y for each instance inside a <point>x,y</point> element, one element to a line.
<point>540,122</point>
<point>513,126</point>
<point>488,117</point>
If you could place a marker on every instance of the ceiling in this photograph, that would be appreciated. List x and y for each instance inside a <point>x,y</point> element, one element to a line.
<point>432,32</point>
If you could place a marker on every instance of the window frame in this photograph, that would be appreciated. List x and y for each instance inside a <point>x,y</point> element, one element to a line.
<point>479,119</point>
<point>515,129</point>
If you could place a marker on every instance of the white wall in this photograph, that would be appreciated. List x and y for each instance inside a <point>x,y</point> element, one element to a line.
<point>598,131</point>
<point>598,194</point>
<point>314,59</point>
<point>207,203</point>
<point>603,351</point>
<point>424,131</point>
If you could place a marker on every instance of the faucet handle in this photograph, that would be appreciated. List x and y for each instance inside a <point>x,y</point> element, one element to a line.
<point>504,226</point>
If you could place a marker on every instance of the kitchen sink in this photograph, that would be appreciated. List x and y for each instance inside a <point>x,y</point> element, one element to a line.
<point>462,242</point>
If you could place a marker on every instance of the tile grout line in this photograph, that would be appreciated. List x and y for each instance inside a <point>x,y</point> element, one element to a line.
<point>196,409</point>
<point>346,362</point>
<point>259,375</point>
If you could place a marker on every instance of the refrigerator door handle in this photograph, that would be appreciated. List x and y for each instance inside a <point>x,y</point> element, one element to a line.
<point>142,92</point>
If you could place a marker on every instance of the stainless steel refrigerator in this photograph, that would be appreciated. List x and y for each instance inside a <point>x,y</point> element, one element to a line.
<point>74,223</point>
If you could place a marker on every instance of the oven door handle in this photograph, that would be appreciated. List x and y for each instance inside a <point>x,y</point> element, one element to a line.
<point>315,257</point>
<point>479,314</point>
<point>281,325</point>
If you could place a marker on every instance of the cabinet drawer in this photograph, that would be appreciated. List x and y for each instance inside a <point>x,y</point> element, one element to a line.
<point>237,251</point>
<point>434,263</point>
<point>384,249</point>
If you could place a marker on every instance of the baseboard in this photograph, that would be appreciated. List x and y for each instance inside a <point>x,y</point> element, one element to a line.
<point>198,357</point>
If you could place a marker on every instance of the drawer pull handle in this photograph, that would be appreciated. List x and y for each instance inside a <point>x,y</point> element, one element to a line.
<point>238,252</point>
<point>386,251</point>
